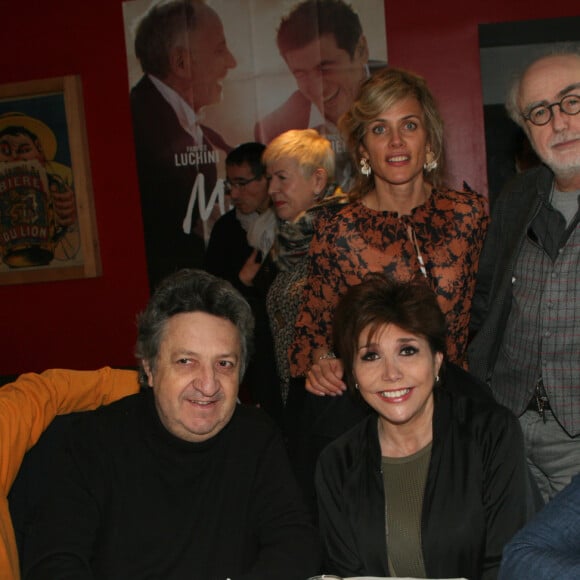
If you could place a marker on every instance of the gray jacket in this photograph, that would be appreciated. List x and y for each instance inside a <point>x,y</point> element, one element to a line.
<point>512,218</point>
<point>513,213</point>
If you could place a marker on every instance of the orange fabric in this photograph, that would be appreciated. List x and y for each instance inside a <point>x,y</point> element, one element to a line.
<point>447,231</point>
<point>27,407</point>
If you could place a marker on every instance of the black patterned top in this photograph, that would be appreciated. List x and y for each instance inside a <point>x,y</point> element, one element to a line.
<point>440,241</point>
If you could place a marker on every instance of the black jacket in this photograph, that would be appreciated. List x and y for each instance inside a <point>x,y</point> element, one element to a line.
<point>478,492</point>
<point>168,165</point>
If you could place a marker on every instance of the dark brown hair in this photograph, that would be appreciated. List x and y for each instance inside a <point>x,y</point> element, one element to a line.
<point>311,19</point>
<point>379,300</point>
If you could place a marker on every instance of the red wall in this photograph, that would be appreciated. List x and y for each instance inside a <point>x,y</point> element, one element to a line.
<point>89,323</point>
<point>439,40</point>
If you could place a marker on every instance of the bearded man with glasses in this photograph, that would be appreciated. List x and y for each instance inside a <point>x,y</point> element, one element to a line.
<point>526,310</point>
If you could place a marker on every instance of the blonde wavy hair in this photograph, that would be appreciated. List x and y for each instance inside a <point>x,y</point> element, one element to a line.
<point>379,92</point>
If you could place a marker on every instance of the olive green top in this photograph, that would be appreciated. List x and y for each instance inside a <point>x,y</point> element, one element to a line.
<point>404,481</point>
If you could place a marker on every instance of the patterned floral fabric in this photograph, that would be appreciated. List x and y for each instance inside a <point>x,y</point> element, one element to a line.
<point>448,231</point>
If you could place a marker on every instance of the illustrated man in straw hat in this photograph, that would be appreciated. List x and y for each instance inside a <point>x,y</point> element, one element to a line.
<point>25,138</point>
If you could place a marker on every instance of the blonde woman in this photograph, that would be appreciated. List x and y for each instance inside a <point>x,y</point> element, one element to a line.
<point>300,166</point>
<point>402,221</point>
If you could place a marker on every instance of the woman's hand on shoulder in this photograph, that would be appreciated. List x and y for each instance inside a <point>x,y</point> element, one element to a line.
<point>325,377</point>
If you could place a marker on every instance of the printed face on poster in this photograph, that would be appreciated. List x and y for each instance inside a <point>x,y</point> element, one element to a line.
<point>225,83</point>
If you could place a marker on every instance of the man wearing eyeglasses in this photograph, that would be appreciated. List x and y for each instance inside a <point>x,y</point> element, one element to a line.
<point>526,311</point>
<point>235,239</point>
<point>238,251</point>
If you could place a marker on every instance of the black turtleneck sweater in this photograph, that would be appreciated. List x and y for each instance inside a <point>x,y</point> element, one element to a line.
<point>131,501</point>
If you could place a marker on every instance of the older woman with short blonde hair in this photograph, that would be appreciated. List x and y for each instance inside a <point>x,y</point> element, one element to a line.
<point>307,147</point>
<point>300,167</point>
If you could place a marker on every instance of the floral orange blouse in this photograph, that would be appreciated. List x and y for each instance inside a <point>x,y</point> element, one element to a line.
<point>447,232</point>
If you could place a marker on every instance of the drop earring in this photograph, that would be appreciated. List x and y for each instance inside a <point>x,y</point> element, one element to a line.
<point>430,161</point>
<point>365,168</point>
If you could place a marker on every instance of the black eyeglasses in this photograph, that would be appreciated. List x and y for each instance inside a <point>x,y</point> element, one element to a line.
<point>239,183</point>
<point>542,114</point>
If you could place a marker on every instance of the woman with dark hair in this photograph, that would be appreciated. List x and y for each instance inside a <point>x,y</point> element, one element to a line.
<point>402,221</point>
<point>433,483</point>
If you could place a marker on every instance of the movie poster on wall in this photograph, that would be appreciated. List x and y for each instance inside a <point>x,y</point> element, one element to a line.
<point>228,86</point>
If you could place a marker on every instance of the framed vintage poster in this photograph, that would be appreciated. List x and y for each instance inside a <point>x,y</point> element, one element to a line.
<point>47,219</point>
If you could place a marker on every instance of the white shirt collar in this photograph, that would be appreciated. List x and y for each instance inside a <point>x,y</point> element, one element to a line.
<point>186,116</point>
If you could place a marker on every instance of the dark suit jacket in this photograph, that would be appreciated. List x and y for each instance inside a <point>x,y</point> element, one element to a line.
<point>168,165</point>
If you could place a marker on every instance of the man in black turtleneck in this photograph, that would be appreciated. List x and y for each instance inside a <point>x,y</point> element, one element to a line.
<point>178,481</point>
